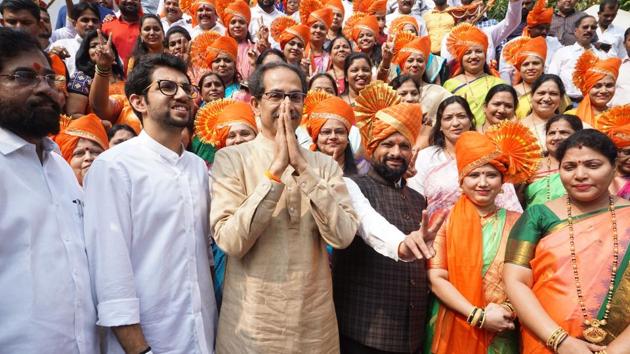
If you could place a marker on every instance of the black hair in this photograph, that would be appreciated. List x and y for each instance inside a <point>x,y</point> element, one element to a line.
<point>401,79</point>
<point>117,127</point>
<point>84,64</point>
<point>574,122</point>
<point>354,56</point>
<point>326,75</point>
<point>549,77</point>
<point>328,45</point>
<point>208,74</point>
<point>19,5</point>
<point>592,139</point>
<point>140,48</point>
<point>142,74</point>
<point>267,52</point>
<point>256,80</point>
<point>502,88</point>
<point>350,164</point>
<point>437,136</point>
<point>626,34</point>
<point>608,3</point>
<point>582,18</point>
<point>176,29</point>
<point>15,43</point>
<point>80,8</point>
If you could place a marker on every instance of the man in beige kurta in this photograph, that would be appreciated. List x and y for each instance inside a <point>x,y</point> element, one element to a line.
<point>275,206</point>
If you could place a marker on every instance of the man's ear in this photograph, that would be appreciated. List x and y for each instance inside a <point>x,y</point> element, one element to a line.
<point>138,103</point>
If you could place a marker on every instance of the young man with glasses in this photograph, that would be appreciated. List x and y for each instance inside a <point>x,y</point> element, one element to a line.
<point>146,224</point>
<point>275,207</point>
<point>45,296</point>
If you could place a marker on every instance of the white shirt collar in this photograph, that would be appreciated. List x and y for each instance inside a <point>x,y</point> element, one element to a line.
<point>159,149</point>
<point>10,142</point>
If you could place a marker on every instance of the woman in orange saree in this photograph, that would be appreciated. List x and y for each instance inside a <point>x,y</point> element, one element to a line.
<point>466,273</point>
<point>566,267</point>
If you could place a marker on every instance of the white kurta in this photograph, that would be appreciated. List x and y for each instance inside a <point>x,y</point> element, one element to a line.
<point>146,223</point>
<point>563,64</point>
<point>46,303</point>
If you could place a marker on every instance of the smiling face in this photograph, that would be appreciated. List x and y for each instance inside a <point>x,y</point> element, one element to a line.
<point>152,34</point>
<point>404,6</point>
<point>87,21</point>
<point>546,99</point>
<point>500,107</point>
<point>392,156</point>
<point>318,32</point>
<point>482,185</point>
<point>454,122</point>
<point>332,137</point>
<point>177,45</point>
<point>585,173</point>
<point>415,66</point>
<point>602,92</point>
<point>558,132</point>
<point>474,60</point>
<point>206,17</point>
<point>340,50</point>
<point>585,31</point>
<point>239,133</point>
<point>359,74</point>
<point>238,28</point>
<point>212,88</point>
<point>366,41</point>
<point>82,157</point>
<point>623,161</point>
<point>408,92</point>
<point>173,12</point>
<point>531,69</point>
<point>92,49</point>
<point>294,51</point>
<point>225,67</point>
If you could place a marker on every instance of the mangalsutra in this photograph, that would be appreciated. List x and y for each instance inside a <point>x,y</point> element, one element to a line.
<point>594,332</point>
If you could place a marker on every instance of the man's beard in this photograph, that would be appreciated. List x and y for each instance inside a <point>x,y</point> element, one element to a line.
<point>390,174</point>
<point>129,10</point>
<point>33,120</point>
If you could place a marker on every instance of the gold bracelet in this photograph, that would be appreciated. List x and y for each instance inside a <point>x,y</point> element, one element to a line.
<point>483,318</point>
<point>471,315</point>
<point>564,335</point>
<point>477,317</point>
<point>552,341</point>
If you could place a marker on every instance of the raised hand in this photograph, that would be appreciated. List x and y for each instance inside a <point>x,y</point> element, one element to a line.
<point>281,153</point>
<point>296,160</point>
<point>387,51</point>
<point>61,52</point>
<point>104,53</point>
<point>411,170</point>
<point>419,244</point>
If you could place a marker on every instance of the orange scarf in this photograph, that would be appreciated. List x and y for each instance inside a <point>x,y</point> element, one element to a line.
<point>589,69</point>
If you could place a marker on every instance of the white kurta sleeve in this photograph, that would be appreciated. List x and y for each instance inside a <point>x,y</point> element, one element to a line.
<point>374,229</point>
<point>512,19</point>
<point>108,234</point>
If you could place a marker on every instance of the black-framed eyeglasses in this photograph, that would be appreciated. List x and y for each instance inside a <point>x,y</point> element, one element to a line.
<point>169,88</point>
<point>31,78</point>
<point>278,96</point>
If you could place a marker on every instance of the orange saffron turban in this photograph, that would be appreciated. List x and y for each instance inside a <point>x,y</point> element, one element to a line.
<point>336,6</point>
<point>516,51</point>
<point>332,107</point>
<point>371,7</point>
<point>200,49</point>
<point>539,15</point>
<point>223,45</point>
<point>284,29</point>
<point>406,44</point>
<point>312,11</point>
<point>366,23</point>
<point>615,122</point>
<point>87,127</point>
<point>215,119</point>
<point>589,69</point>
<point>511,148</point>
<point>237,8</point>
<point>195,7</point>
<point>379,114</point>
<point>463,37</point>
<point>400,22</point>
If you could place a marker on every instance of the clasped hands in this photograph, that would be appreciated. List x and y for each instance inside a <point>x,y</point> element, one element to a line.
<point>286,150</point>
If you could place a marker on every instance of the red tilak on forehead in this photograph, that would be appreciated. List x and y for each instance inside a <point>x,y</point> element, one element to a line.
<point>37,66</point>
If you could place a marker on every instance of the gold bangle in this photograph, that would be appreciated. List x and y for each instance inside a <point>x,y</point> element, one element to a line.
<point>272,177</point>
<point>559,340</point>
<point>471,315</point>
<point>483,318</point>
<point>476,318</point>
<point>552,341</point>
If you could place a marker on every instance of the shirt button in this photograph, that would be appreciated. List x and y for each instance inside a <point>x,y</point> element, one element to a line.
<point>412,282</point>
<point>303,185</point>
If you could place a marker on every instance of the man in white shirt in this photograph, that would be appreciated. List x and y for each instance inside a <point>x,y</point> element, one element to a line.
<point>609,36</point>
<point>84,18</point>
<point>174,15</point>
<point>563,61</point>
<point>146,224</point>
<point>263,15</point>
<point>622,92</point>
<point>46,303</point>
<point>206,18</point>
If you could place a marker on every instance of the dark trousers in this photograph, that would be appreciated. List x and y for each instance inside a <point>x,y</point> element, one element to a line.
<point>351,346</point>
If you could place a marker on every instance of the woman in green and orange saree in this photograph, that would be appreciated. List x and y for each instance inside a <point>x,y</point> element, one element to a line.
<point>566,266</point>
<point>466,273</point>
<point>546,184</point>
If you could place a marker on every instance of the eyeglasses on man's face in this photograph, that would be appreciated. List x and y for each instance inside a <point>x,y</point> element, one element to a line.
<point>26,78</point>
<point>277,96</point>
<point>169,88</point>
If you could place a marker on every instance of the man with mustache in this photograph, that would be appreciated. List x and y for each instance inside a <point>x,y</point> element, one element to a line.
<point>564,20</point>
<point>45,296</point>
<point>125,28</point>
<point>146,224</point>
<point>275,207</point>
<point>381,304</point>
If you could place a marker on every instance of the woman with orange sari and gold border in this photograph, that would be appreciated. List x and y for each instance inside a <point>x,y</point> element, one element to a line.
<point>466,272</point>
<point>566,266</point>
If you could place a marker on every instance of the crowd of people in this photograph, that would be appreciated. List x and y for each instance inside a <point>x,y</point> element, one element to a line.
<point>314,176</point>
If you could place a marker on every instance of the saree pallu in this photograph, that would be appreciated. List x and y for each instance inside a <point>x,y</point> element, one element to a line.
<point>474,92</point>
<point>448,331</point>
<point>544,189</point>
<point>553,279</point>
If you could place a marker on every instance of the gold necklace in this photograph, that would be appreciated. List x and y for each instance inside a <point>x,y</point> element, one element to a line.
<point>593,331</point>
<point>548,178</point>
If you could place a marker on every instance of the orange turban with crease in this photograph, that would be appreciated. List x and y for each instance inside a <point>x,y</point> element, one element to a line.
<point>371,7</point>
<point>215,119</point>
<point>511,148</point>
<point>418,45</point>
<point>284,29</point>
<point>399,23</point>
<point>237,8</point>
<point>615,122</point>
<point>589,69</point>
<point>539,15</point>
<point>87,127</point>
<point>463,37</point>
<point>516,51</point>
<point>336,6</point>
<point>367,23</point>
<point>331,108</point>
<point>222,45</point>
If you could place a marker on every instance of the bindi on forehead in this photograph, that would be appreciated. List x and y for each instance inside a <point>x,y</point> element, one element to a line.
<point>37,66</point>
